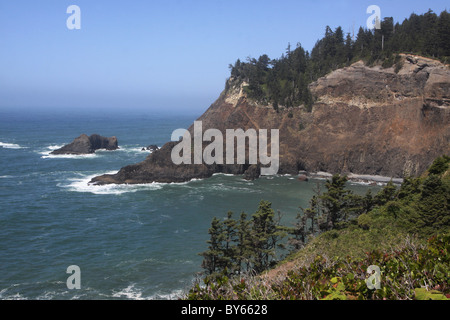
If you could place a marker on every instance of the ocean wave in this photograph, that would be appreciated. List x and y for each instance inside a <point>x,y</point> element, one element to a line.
<point>133,149</point>
<point>82,185</point>
<point>380,180</point>
<point>46,154</point>
<point>68,156</point>
<point>16,296</point>
<point>174,295</point>
<point>130,292</point>
<point>134,293</point>
<point>10,146</point>
<point>130,149</point>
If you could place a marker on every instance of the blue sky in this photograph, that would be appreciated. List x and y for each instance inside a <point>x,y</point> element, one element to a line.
<point>167,55</point>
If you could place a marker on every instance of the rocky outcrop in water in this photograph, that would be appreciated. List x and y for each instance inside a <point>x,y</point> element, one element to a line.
<point>87,144</point>
<point>366,120</point>
<point>151,148</point>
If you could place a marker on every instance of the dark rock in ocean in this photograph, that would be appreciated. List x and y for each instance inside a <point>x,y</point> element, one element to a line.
<point>252,173</point>
<point>158,167</point>
<point>87,145</point>
<point>302,177</point>
<point>151,148</point>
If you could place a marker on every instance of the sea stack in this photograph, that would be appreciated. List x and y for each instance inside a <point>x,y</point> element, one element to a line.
<point>87,145</point>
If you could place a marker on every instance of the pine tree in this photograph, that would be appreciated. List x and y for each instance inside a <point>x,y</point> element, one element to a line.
<point>349,48</point>
<point>340,204</point>
<point>388,193</point>
<point>284,82</point>
<point>243,246</point>
<point>444,34</point>
<point>213,261</point>
<point>333,201</point>
<point>230,239</point>
<point>433,206</point>
<point>440,165</point>
<point>265,236</point>
<point>307,224</point>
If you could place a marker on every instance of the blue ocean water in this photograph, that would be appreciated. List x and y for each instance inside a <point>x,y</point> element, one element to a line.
<point>130,242</point>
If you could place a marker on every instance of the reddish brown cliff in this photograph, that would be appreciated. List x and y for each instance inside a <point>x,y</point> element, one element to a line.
<point>366,120</point>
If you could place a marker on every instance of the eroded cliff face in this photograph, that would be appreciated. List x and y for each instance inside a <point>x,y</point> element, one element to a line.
<point>380,122</point>
<point>366,120</point>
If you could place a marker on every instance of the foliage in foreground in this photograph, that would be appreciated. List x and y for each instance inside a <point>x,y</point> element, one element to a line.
<point>419,272</point>
<point>333,264</point>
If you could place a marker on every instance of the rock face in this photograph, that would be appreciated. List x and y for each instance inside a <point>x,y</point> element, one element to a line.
<point>87,145</point>
<point>366,120</point>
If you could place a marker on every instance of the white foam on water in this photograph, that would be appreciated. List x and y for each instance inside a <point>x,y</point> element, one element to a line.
<point>69,156</point>
<point>134,149</point>
<point>81,184</point>
<point>133,293</point>
<point>374,178</point>
<point>16,296</point>
<point>10,146</point>
<point>129,292</point>
<point>45,154</point>
<point>175,295</point>
<point>223,174</point>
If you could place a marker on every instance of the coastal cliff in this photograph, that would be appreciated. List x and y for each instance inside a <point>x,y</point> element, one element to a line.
<point>364,120</point>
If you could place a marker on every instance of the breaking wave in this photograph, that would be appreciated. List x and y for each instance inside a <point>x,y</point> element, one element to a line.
<point>46,154</point>
<point>10,146</point>
<point>82,184</point>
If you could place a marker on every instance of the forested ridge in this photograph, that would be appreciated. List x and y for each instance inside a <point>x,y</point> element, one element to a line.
<point>283,82</point>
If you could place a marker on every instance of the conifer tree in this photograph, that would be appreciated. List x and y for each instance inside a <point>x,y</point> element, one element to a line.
<point>266,233</point>
<point>243,246</point>
<point>213,261</point>
<point>433,207</point>
<point>334,201</point>
<point>229,235</point>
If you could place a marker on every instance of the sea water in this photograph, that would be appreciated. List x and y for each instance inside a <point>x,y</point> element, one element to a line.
<point>129,241</point>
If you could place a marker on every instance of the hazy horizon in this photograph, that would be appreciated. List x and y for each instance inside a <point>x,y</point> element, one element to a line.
<point>146,56</point>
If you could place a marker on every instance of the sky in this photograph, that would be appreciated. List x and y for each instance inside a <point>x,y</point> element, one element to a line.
<point>170,55</point>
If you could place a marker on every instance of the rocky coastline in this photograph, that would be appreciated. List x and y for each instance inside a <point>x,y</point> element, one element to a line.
<point>366,121</point>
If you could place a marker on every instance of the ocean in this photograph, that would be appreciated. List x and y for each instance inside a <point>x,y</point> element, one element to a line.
<point>129,242</point>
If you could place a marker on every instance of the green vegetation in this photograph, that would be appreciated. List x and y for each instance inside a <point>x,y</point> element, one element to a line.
<point>406,273</point>
<point>284,81</point>
<point>240,246</point>
<point>404,230</point>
